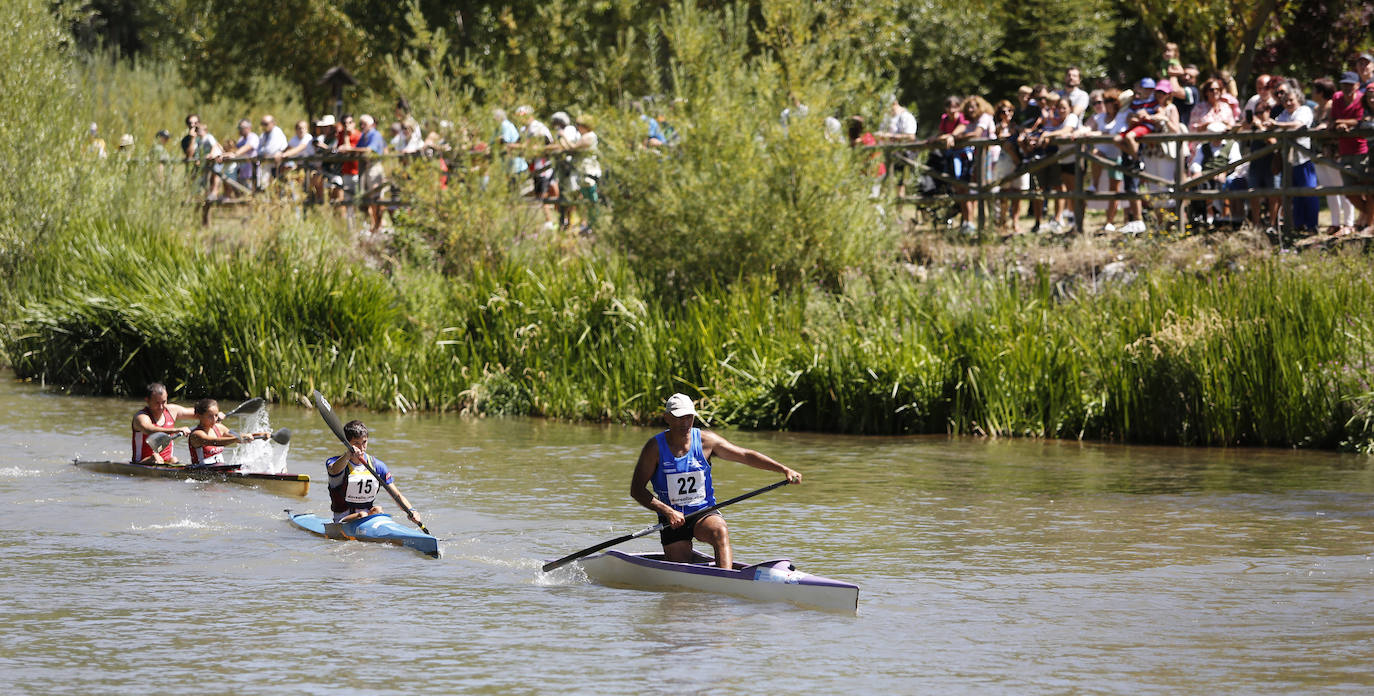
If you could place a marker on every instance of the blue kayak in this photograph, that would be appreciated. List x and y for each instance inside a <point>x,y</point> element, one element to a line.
<point>378,527</point>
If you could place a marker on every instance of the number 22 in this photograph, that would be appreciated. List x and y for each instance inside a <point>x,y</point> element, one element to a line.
<point>686,485</point>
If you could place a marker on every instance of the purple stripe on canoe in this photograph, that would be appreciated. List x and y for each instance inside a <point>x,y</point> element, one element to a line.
<point>741,572</point>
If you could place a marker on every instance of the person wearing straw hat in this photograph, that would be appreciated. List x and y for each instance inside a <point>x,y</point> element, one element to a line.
<point>673,479</point>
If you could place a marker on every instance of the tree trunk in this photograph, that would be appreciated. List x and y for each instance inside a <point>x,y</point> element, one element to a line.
<point>1250,42</point>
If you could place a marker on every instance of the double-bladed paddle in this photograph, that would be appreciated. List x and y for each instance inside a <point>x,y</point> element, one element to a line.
<point>332,420</point>
<point>158,441</point>
<point>650,530</point>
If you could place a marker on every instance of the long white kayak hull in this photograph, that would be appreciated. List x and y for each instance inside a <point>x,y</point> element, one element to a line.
<point>772,581</point>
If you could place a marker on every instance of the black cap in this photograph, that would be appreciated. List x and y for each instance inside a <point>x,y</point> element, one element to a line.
<point>1349,77</point>
<point>163,133</point>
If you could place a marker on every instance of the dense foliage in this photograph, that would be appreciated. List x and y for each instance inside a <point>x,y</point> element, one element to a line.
<point>582,52</point>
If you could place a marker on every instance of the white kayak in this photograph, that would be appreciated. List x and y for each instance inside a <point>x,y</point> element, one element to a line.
<point>771,581</point>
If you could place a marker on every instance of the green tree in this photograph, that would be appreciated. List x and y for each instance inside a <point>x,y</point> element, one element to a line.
<point>1216,34</point>
<point>231,44</point>
<point>1042,38</point>
<point>742,195</point>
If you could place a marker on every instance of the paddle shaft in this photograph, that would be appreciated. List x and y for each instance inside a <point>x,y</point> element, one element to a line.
<point>661,525</point>
<point>332,420</point>
<point>281,437</point>
<point>252,405</point>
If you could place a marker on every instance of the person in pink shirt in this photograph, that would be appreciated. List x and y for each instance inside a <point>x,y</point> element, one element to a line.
<point>1353,153</point>
<point>952,162</point>
<point>1213,108</point>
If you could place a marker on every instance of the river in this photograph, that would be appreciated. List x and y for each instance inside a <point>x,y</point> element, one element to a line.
<point>988,567</point>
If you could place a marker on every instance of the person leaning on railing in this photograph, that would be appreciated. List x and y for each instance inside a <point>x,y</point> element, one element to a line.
<point>1007,157</point>
<point>1342,211</point>
<point>1108,119</point>
<point>1296,115</point>
<point>1353,153</point>
<point>899,127</point>
<point>301,144</point>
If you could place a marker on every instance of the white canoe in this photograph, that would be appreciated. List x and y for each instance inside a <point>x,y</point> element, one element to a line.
<point>771,581</point>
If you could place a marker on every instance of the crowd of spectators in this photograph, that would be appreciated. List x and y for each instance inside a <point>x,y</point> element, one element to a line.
<point>557,165</point>
<point>342,161</point>
<point>1041,121</point>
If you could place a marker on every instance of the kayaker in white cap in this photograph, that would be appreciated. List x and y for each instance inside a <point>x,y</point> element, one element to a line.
<point>673,478</point>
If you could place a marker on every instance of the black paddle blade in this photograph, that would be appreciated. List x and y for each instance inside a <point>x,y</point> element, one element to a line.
<point>250,406</point>
<point>282,436</point>
<point>327,413</point>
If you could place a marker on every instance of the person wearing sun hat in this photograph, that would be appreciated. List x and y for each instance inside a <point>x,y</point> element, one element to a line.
<point>673,479</point>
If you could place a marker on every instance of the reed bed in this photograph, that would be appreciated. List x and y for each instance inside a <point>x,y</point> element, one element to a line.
<point>1278,354</point>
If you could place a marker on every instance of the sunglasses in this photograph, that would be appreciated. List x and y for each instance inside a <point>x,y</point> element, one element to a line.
<point>1099,101</point>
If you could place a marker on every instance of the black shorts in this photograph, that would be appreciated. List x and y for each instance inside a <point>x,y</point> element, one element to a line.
<point>686,532</point>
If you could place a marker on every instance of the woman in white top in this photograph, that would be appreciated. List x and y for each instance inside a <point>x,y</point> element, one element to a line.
<point>1296,115</point>
<point>1006,130</point>
<point>1062,124</point>
<point>1108,119</point>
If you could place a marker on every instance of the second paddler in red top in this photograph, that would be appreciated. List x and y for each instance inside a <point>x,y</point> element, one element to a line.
<point>209,437</point>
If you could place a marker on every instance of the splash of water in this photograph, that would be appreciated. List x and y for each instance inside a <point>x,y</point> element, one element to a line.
<point>259,456</point>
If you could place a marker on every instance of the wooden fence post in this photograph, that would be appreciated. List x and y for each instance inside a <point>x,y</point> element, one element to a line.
<point>1180,168</point>
<point>1080,206</point>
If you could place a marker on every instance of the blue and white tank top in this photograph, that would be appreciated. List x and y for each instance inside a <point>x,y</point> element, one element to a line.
<point>683,483</point>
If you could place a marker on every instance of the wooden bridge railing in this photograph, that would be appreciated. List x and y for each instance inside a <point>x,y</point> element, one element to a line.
<point>1179,188</point>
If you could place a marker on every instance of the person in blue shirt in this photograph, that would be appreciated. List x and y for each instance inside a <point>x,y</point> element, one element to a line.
<point>673,478</point>
<point>507,141</point>
<point>372,186</point>
<point>353,488</point>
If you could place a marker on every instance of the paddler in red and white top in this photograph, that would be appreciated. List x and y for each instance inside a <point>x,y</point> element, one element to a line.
<point>352,487</point>
<point>673,478</point>
<point>157,416</point>
<point>208,438</point>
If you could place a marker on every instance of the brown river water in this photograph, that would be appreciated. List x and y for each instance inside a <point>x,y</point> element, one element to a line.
<point>987,567</point>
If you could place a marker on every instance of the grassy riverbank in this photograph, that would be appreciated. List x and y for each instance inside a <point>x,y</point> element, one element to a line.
<point>1275,354</point>
<point>795,305</point>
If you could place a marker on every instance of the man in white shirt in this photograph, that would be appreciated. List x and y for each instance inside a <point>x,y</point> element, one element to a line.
<point>899,127</point>
<point>538,135</point>
<point>565,137</point>
<point>272,141</point>
<point>1073,92</point>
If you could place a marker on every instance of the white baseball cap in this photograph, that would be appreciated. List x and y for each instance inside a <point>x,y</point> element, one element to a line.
<point>679,405</point>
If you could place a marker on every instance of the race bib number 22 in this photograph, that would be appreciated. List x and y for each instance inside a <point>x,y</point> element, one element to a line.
<point>687,488</point>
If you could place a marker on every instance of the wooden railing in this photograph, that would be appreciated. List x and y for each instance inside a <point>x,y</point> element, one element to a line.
<point>1179,188</point>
